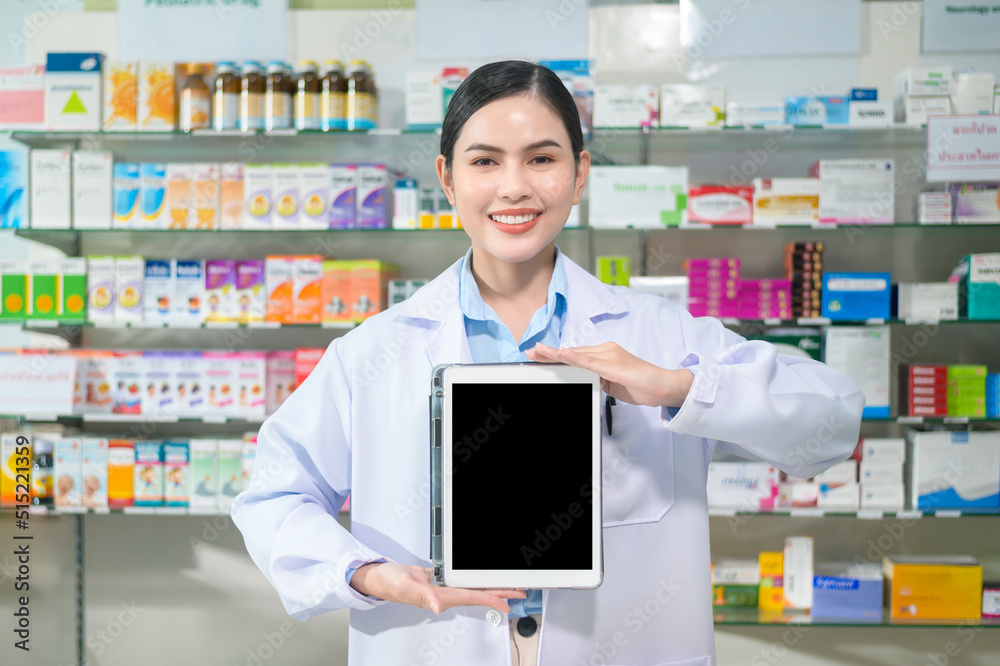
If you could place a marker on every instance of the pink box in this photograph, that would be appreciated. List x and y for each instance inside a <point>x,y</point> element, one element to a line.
<point>220,290</point>
<point>720,204</point>
<point>250,299</point>
<point>280,378</point>
<point>220,377</point>
<point>714,262</point>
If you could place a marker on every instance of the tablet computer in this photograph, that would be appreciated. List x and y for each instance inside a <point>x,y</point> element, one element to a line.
<point>515,469</point>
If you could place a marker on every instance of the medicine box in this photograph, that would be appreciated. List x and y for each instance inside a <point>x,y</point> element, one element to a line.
<point>744,486</point>
<point>94,474</point>
<point>638,196</point>
<point>934,208</point>
<point>100,289</point>
<point>67,472</point>
<point>336,290</point>
<point>739,114</point>
<point>43,286</point>
<point>258,188</point>
<point>279,275</point>
<point>248,459</point>
<point>157,110</point>
<point>880,471</point>
<point>203,494</point>
<point>685,105</point>
<point>720,204</point>
<point>578,77</point>
<point>121,473</point>
<point>73,92</point>
<point>190,383</point>
<point>936,484</point>
<point>307,283</point>
<point>220,290</point>
<point>975,203</point>
<point>159,290</point>
<point>423,100</point>
<point>189,296</point>
<point>230,472</point>
<point>785,202</point>
<point>933,587</point>
<point>231,195</point>
<point>856,296</point>
<point>121,85</point>
<point>797,578</point>
<point>923,81</point>
<point>72,276</point>
<point>981,287</point>
<point>933,301</point>
<point>314,196</point>
<point>153,196</point>
<point>158,392</point>
<point>130,273</point>
<point>180,196</point>
<point>839,474</point>
<point>51,192</point>
<point>15,188</point>
<point>343,196</point>
<point>672,288</point>
<point>251,298</point>
<point>972,93</point>
<point>148,482</point>
<point>882,496</point>
<point>126,191</point>
<point>220,378</point>
<point>913,110</point>
<point>372,196</point>
<point>23,88</point>
<point>92,190</point>
<point>176,473</point>
<point>840,497</point>
<point>855,191</point>
<point>405,204</point>
<point>250,383</point>
<point>849,591</point>
<point>280,374</point>
<point>890,448</point>
<point>205,197</point>
<point>771,566</point>
<point>626,106</point>
<point>286,190</point>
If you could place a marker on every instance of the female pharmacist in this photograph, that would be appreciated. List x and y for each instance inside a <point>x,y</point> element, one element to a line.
<point>512,162</point>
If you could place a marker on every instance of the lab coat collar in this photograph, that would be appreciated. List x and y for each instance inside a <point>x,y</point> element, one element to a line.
<point>436,308</point>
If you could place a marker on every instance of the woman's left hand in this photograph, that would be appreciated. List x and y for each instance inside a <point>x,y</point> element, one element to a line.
<point>623,376</point>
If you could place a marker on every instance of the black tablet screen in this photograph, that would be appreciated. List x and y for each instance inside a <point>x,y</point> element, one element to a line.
<point>522,464</point>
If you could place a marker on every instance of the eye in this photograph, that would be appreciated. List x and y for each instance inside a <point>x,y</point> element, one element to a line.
<point>483,161</point>
<point>541,159</point>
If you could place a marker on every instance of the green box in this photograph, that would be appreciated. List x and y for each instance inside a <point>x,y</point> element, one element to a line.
<point>614,270</point>
<point>13,289</point>
<point>73,290</point>
<point>44,289</point>
<point>204,474</point>
<point>735,595</point>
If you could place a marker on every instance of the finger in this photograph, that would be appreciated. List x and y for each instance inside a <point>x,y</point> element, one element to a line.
<point>443,598</point>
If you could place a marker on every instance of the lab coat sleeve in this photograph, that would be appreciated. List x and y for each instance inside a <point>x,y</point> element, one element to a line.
<point>798,414</point>
<point>301,477</point>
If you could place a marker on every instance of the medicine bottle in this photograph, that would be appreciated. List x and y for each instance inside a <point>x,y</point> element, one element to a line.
<point>196,101</point>
<point>252,97</point>
<point>226,97</point>
<point>278,97</point>
<point>333,96</point>
<point>41,472</point>
<point>307,94</point>
<point>361,100</point>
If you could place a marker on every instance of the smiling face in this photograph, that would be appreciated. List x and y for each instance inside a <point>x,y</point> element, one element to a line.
<point>513,179</point>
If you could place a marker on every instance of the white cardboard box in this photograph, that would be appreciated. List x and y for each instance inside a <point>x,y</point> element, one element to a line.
<point>884,496</point>
<point>645,197</point>
<point>785,201</point>
<point>73,92</point>
<point>685,105</point>
<point>881,471</point>
<point>93,173</point>
<point>839,474</point>
<point>626,106</point>
<point>933,301</point>
<point>870,114</point>
<point>51,190</point>
<point>956,470</point>
<point>887,448</point>
<point>798,573</point>
<point>845,497</point>
<point>856,191</point>
<point>741,485</point>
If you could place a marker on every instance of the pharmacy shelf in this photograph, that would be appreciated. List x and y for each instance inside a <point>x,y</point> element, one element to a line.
<point>862,514</point>
<point>222,325</point>
<point>754,616</point>
<point>132,418</point>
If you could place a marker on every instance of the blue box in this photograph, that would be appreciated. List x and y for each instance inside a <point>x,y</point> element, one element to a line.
<point>842,590</point>
<point>13,189</point>
<point>864,94</point>
<point>817,110</point>
<point>857,296</point>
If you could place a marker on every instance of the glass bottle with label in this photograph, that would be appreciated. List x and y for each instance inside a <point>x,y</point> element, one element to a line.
<point>277,98</point>
<point>226,97</point>
<point>252,97</point>
<point>361,104</point>
<point>196,101</point>
<point>307,94</point>
<point>41,472</point>
<point>333,97</point>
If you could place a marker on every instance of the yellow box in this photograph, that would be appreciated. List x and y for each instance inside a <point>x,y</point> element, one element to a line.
<point>772,566</point>
<point>928,587</point>
<point>15,470</point>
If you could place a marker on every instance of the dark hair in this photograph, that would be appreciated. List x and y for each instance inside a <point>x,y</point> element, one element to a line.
<point>508,78</point>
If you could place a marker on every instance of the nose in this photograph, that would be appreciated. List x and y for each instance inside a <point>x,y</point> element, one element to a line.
<point>514,184</point>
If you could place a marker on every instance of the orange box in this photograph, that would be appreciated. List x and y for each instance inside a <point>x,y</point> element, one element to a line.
<point>279,273</point>
<point>369,287</point>
<point>770,596</point>
<point>231,195</point>
<point>336,290</point>
<point>930,587</point>
<point>179,195</point>
<point>205,196</point>
<point>306,358</point>
<point>307,285</point>
<point>121,467</point>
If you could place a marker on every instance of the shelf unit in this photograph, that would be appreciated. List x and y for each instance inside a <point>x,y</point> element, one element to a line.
<point>911,252</point>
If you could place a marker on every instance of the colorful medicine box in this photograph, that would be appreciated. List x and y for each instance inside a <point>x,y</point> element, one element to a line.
<point>857,296</point>
<point>933,587</point>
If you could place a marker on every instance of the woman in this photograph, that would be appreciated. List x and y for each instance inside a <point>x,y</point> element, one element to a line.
<point>512,163</point>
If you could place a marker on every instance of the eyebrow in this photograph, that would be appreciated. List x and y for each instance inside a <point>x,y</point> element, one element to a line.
<point>544,143</point>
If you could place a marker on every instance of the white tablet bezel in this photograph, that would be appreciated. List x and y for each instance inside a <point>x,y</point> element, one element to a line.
<point>520,373</point>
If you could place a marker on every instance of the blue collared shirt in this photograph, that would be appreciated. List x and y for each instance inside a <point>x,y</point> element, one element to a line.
<point>490,341</point>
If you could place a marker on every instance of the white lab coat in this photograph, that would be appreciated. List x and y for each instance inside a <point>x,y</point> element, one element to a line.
<point>359,424</point>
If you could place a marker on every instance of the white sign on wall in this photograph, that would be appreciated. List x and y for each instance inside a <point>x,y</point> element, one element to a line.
<point>963,148</point>
<point>37,383</point>
<point>957,25</point>
<point>493,29</point>
<point>740,28</point>
<point>202,30</point>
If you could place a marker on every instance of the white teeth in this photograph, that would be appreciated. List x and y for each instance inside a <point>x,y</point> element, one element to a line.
<point>513,219</point>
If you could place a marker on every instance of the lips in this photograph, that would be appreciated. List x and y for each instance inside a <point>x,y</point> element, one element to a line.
<point>515,220</point>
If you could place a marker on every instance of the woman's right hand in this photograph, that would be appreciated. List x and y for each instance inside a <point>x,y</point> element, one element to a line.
<point>414,586</point>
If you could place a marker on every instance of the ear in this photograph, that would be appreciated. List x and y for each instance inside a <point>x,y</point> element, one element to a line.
<point>445,177</point>
<point>582,170</point>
